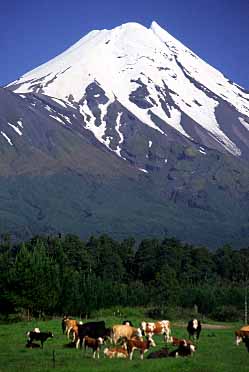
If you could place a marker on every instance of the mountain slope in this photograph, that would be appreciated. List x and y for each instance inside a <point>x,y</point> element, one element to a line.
<point>153,76</point>
<point>127,132</point>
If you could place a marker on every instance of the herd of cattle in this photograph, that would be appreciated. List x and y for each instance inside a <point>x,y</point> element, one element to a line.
<point>125,338</point>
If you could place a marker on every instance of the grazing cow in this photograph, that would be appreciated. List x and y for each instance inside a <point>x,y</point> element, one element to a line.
<point>158,328</point>
<point>93,330</point>
<point>194,328</point>
<point>38,336</point>
<point>183,350</point>
<point>93,343</point>
<point>124,331</point>
<point>162,353</point>
<point>136,344</point>
<point>127,322</point>
<point>116,352</point>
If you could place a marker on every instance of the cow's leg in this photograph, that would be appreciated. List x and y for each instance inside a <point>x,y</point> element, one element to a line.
<point>68,332</point>
<point>131,354</point>
<point>94,354</point>
<point>84,344</point>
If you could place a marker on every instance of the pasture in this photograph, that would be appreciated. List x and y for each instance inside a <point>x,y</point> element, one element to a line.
<point>216,352</point>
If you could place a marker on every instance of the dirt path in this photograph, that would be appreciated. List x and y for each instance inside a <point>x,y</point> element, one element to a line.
<point>206,326</point>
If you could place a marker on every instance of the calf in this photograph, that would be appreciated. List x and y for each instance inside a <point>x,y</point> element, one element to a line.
<point>183,350</point>
<point>194,328</point>
<point>93,344</point>
<point>117,352</point>
<point>92,329</point>
<point>142,346</point>
<point>178,341</point>
<point>38,336</point>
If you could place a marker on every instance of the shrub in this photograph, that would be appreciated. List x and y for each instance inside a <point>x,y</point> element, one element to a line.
<point>227,313</point>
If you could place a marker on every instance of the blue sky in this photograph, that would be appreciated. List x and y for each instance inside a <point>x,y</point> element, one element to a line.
<point>32,32</point>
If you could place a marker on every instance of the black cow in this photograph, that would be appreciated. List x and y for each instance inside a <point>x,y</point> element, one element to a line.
<point>93,330</point>
<point>246,341</point>
<point>38,336</point>
<point>194,328</point>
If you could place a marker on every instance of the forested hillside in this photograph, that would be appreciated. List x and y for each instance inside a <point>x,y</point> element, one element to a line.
<point>54,275</point>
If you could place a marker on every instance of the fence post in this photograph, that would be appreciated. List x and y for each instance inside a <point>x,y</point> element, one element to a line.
<point>53,358</point>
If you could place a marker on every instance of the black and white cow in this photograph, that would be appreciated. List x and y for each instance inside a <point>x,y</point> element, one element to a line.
<point>38,336</point>
<point>183,350</point>
<point>194,328</point>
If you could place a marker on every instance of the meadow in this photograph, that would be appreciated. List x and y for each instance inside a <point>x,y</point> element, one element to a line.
<point>216,352</point>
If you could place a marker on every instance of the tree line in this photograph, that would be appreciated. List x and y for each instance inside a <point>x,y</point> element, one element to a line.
<point>67,275</point>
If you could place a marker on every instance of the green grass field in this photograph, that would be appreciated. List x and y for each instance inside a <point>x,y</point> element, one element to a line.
<point>216,352</point>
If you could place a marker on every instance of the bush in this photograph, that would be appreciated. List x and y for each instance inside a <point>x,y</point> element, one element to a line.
<point>172,313</point>
<point>227,314</point>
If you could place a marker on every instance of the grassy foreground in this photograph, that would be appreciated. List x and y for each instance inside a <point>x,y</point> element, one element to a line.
<point>216,353</point>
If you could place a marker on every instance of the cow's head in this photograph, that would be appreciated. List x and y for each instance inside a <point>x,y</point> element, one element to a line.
<point>238,340</point>
<point>195,323</point>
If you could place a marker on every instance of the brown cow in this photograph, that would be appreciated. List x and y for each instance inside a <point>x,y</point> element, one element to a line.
<point>116,352</point>
<point>158,328</point>
<point>142,346</point>
<point>93,344</point>
<point>71,326</point>
<point>124,331</point>
<point>68,325</point>
<point>179,341</point>
<point>240,335</point>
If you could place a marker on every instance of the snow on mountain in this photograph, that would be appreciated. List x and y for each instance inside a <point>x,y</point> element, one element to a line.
<point>153,76</point>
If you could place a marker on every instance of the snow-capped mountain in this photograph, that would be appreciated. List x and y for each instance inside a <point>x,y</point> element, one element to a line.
<point>151,75</point>
<point>129,133</point>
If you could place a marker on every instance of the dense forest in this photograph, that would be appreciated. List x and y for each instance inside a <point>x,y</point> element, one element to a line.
<point>57,275</point>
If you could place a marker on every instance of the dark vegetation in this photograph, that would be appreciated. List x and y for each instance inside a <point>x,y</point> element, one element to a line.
<point>54,275</point>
